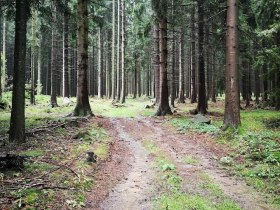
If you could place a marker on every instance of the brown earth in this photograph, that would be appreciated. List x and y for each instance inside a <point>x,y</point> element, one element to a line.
<point>125,181</point>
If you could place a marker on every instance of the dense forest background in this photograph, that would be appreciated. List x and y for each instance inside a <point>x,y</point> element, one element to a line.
<point>122,40</point>
<point>166,103</point>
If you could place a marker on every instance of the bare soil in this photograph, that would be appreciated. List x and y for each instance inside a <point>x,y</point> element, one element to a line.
<point>126,180</point>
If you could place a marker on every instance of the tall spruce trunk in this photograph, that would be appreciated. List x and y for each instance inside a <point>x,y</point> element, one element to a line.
<point>164,108</point>
<point>173,60</point>
<point>65,76</point>
<point>33,52</point>
<point>135,75</point>
<point>118,54</point>
<point>181,98</point>
<point>156,62</point>
<point>39,68</point>
<point>213,79</point>
<point>123,86</point>
<point>3,56</point>
<point>17,123</point>
<point>54,65</point>
<point>100,62</point>
<point>193,57</point>
<point>232,100</point>
<point>113,96</point>
<point>202,100</point>
<point>82,106</point>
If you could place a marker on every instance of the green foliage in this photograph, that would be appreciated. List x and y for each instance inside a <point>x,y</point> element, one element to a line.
<point>184,124</point>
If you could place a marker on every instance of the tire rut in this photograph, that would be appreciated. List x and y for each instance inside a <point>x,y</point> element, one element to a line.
<point>135,190</point>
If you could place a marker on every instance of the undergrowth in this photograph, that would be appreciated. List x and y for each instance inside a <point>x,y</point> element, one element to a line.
<point>256,149</point>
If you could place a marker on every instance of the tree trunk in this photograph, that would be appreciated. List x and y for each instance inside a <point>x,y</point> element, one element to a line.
<point>193,57</point>
<point>135,75</point>
<point>232,100</point>
<point>123,87</point>
<point>139,80</point>
<point>39,70</point>
<point>17,123</point>
<point>3,57</point>
<point>118,53</point>
<point>213,80</point>
<point>54,66</point>
<point>156,62</point>
<point>173,61</point>
<point>65,77</point>
<point>33,49</point>
<point>113,51</point>
<point>181,68</point>
<point>82,106</point>
<point>163,108</point>
<point>100,62</point>
<point>202,101</point>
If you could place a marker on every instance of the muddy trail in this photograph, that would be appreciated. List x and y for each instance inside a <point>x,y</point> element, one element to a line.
<point>126,180</point>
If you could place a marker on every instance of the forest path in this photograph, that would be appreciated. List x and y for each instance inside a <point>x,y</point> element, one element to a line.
<point>126,181</point>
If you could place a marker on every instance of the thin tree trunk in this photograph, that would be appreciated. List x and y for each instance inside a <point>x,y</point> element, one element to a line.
<point>100,62</point>
<point>65,77</point>
<point>156,63</point>
<point>193,56</point>
<point>139,79</point>
<point>3,70</point>
<point>123,87</point>
<point>213,80</point>
<point>39,70</point>
<point>17,123</point>
<point>232,101</point>
<point>54,70</point>
<point>32,88</point>
<point>118,53</point>
<point>113,50</point>
<point>181,98</point>
<point>82,106</point>
<point>135,75</point>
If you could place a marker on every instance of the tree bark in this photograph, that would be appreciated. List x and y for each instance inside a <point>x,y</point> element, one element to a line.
<point>17,123</point>
<point>118,53</point>
<point>232,100</point>
<point>100,62</point>
<point>65,76</point>
<point>156,62</point>
<point>33,52</point>
<point>54,66</point>
<point>3,57</point>
<point>163,108</point>
<point>135,75</point>
<point>202,100</point>
<point>123,86</point>
<point>82,106</point>
<point>113,50</point>
<point>181,98</point>
<point>193,57</point>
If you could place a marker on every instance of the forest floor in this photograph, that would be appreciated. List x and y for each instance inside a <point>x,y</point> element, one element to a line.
<point>143,162</point>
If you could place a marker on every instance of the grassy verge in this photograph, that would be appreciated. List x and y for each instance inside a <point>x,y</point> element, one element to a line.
<point>41,113</point>
<point>174,195</point>
<point>255,154</point>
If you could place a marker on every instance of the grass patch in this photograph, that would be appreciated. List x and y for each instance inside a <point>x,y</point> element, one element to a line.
<point>184,124</point>
<point>172,195</point>
<point>190,160</point>
<point>33,153</point>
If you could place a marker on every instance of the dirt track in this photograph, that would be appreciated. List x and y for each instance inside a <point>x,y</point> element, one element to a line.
<point>126,180</point>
